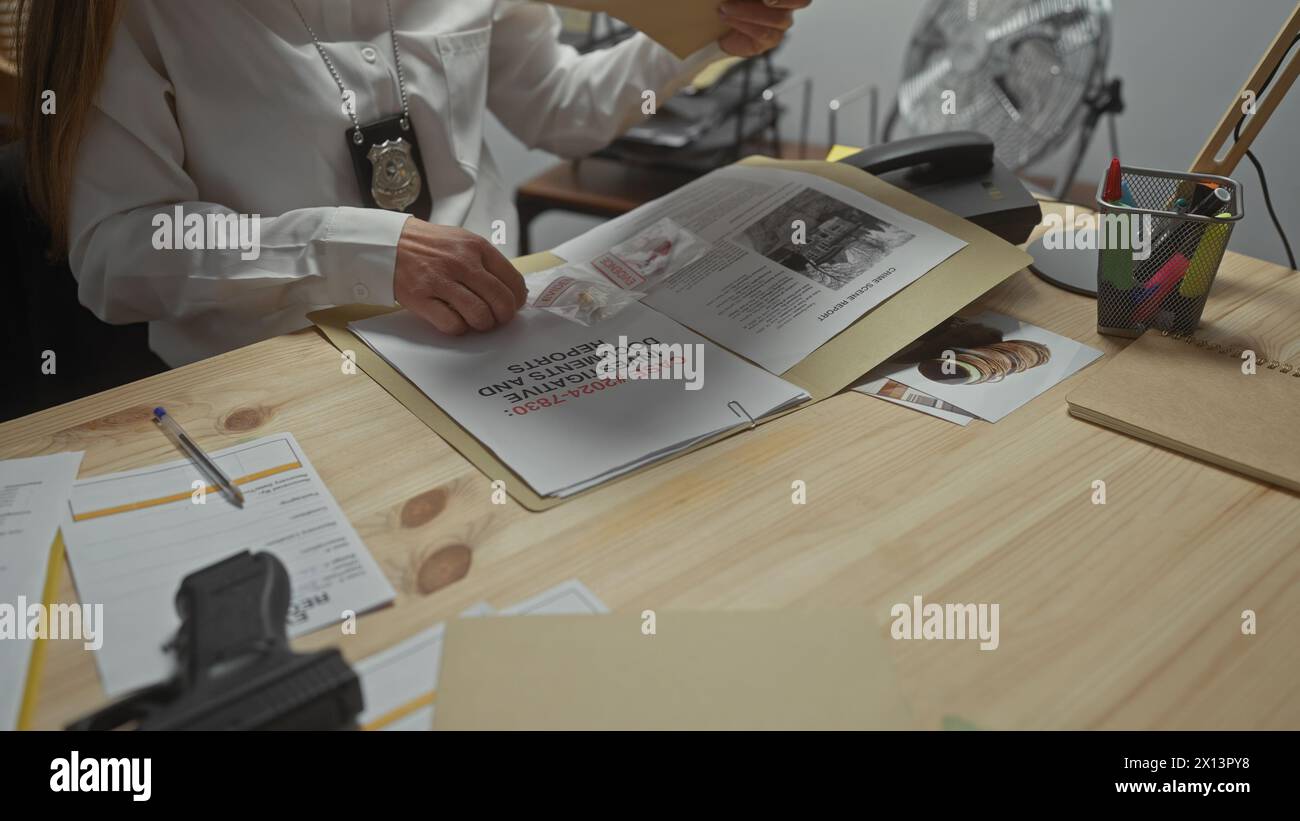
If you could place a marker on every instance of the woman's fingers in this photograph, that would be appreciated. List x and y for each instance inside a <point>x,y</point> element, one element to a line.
<point>454,279</point>
<point>499,298</point>
<point>438,314</point>
<point>757,14</point>
<point>757,25</point>
<point>496,264</point>
<point>740,43</point>
<point>468,304</point>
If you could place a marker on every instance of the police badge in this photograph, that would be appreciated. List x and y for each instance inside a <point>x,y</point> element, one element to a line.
<point>385,153</point>
<point>387,162</point>
<point>395,181</point>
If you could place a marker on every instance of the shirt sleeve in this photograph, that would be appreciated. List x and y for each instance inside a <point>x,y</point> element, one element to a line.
<point>129,185</point>
<point>551,97</point>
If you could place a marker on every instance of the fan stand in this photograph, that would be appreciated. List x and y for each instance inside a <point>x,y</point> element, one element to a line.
<point>1076,269</point>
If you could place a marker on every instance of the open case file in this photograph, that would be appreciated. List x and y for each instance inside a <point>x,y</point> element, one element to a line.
<point>774,284</point>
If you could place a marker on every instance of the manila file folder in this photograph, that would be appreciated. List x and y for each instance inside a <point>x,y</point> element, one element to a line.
<point>681,26</point>
<point>985,261</point>
<point>1199,396</point>
<point>735,670</point>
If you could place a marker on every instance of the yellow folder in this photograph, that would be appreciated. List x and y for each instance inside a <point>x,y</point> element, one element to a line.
<point>741,670</point>
<point>682,26</point>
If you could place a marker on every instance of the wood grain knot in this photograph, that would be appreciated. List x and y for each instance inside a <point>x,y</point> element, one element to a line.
<point>125,418</point>
<point>245,419</point>
<point>442,567</point>
<point>420,510</point>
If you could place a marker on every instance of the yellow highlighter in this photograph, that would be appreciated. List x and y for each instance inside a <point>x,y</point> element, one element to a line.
<point>1201,272</point>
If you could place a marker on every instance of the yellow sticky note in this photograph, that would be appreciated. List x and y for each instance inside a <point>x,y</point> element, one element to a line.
<point>839,152</point>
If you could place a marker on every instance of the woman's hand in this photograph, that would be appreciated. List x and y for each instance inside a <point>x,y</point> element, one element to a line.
<point>757,25</point>
<point>454,279</point>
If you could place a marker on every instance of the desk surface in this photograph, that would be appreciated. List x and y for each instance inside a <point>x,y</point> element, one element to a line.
<point>1119,615</point>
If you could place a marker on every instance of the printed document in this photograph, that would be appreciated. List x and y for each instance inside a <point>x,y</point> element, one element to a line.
<point>794,258</point>
<point>33,496</point>
<point>530,391</point>
<point>131,537</point>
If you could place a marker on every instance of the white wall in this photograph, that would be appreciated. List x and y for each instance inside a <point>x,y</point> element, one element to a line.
<point>1181,62</point>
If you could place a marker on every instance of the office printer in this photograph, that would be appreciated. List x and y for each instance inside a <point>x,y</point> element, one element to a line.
<point>956,171</point>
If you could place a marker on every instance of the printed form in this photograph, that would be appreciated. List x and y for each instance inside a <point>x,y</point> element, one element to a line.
<point>131,537</point>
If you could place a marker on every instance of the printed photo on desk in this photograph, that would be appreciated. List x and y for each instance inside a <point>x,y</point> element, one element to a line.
<point>984,366</point>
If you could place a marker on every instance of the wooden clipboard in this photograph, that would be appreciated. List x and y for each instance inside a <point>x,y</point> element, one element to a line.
<point>985,261</point>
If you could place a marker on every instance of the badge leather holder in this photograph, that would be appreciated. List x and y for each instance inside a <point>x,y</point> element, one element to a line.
<point>393,154</point>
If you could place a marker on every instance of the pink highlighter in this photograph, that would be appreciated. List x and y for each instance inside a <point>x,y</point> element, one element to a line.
<point>1159,286</point>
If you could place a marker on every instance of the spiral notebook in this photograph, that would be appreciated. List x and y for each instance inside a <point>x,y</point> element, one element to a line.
<point>1197,395</point>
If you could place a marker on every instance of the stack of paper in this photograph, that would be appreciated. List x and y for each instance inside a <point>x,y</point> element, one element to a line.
<point>530,392</point>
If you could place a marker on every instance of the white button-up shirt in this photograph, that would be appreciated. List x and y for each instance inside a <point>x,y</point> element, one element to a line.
<point>225,108</point>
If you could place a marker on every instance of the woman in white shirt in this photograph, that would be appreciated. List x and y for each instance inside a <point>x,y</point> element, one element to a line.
<point>208,113</point>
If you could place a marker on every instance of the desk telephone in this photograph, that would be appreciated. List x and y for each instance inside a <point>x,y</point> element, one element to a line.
<point>956,171</point>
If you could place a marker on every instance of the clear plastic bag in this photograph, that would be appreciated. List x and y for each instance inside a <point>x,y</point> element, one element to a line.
<point>651,256</point>
<point>594,292</point>
<point>576,295</point>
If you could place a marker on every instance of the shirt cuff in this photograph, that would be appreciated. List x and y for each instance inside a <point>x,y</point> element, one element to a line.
<point>361,253</point>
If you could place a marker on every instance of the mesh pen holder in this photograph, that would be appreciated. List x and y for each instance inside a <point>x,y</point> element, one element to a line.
<point>1159,254</point>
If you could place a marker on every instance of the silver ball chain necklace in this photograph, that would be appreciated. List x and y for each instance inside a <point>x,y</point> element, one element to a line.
<point>385,154</point>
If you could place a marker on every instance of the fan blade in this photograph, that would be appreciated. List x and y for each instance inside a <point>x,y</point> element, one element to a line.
<point>1010,102</point>
<point>1037,14</point>
<point>919,83</point>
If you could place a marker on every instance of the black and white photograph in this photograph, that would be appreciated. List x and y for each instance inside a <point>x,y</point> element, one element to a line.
<point>839,243</point>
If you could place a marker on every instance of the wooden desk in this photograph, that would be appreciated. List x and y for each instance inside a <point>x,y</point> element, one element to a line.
<point>1112,616</point>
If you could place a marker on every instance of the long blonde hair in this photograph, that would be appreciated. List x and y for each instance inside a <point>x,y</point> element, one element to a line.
<point>62,47</point>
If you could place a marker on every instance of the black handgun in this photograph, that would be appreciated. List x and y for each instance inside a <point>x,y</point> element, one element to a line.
<point>235,670</point>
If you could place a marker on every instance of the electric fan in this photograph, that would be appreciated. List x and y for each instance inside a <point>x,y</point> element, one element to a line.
<point>1024,72</point>
<point>1027,73</point>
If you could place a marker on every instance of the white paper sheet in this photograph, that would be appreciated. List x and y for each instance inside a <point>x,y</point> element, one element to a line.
<point>529,391</point>
<point>400,684</point>
<point>995,398</point>
<point>33,498</point>
<point>796,258</point>
<point>566,598</point>
<point>133,536</point>
<point>912,399</point>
